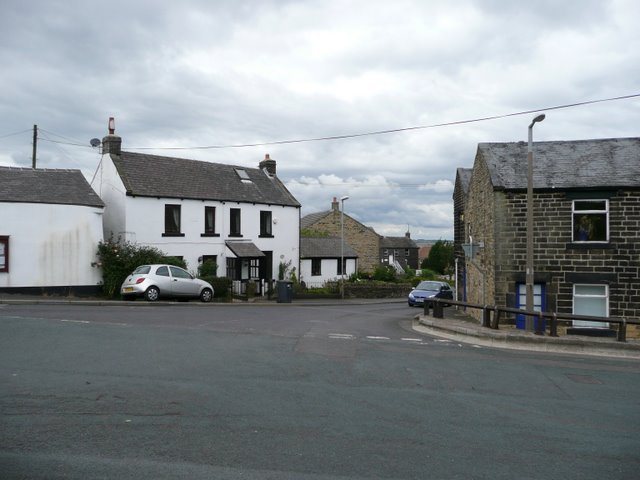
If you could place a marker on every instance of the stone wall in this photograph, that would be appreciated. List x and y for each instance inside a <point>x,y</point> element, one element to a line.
<point>558,262</point>
<point>364,240</point>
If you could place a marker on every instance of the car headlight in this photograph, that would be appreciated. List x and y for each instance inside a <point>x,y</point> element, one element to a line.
<point>411,296</point>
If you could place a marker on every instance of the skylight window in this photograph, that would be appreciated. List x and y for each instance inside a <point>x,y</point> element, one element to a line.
<point>244,176</point>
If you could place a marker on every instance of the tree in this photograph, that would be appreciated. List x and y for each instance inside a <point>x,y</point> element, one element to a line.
<point>440,258</point>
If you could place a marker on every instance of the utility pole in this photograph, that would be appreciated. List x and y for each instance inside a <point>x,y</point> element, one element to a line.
<point>35,146</point>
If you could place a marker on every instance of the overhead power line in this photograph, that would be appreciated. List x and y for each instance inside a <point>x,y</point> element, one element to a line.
<point>394,130</point>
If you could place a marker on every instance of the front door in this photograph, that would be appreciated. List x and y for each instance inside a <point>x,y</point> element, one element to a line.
<point>521,302</point>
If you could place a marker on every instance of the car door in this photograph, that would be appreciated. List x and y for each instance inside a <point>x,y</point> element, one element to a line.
<point>162,279</point>
<point>182,283</point>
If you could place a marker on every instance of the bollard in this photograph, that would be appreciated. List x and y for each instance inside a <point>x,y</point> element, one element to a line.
<point>539,325</point>
<point>496,319</point>
<point>622,331</point>
<point>486,317</point>
<point>437,309</point>
<point>553,326</point>
<point>426,308</point>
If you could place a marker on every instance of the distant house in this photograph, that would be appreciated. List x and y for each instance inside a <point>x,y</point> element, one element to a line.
<point>364,240</point>
<point>50,227</point>
<point>242,218</point>
<point>399,252</point>
<point>586,224</point>
<point>320,260</point>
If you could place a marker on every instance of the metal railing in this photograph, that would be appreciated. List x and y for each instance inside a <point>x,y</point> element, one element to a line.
<point>491,316</point>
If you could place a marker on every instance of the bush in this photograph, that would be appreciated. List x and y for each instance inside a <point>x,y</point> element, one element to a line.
<point>208,269</point>
<point>118,259</point>
<point>221,286</point>
<point>385,273</point>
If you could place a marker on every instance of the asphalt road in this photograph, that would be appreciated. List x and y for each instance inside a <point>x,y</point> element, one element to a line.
<point>297,392</point>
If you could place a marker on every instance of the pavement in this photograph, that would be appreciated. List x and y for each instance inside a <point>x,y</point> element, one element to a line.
<point>457,325</point>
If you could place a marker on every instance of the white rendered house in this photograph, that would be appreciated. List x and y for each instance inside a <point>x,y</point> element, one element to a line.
<point>50,227</point>
<point>242,218</point>
<point>320,260</point>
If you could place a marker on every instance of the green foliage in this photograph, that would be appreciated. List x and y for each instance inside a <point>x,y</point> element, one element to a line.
<point>283,268</point>
<point>440,258</point>
<point>385,273</point>
<point>208,268</point>
<point>221,286</point>
<point>313,233</point>
<point>175,261</point>
<point>119,259</point>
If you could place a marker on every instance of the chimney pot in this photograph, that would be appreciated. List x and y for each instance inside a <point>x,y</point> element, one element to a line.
<point>112,143</point>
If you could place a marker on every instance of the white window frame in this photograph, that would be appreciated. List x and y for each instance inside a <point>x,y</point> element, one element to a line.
<point>575,213</point>
<point>584,323</point>
<point>4,254</point>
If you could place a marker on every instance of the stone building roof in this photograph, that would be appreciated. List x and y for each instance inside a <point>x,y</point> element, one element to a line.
<point>53,186</point>
<point>324,247</point>
<point>579,164</point>
<point>158,176</point>
<point>397,242</point>
<point>464,176</point>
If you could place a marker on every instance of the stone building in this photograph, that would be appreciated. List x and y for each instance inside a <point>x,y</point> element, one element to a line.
<point>364,240</point>
<point>586,222</point>
<point>401,251</point>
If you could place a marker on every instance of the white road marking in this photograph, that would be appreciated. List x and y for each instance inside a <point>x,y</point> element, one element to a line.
<point>75,321</point>
<point>411,339</point>
<point>442,340</point>
<point>378,338</point>
<point>342,336</point>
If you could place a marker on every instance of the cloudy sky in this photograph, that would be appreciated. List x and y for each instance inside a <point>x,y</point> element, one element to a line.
<point>217,73</point>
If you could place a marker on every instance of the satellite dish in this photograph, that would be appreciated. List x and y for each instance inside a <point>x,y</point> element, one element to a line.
<point>95,142</point>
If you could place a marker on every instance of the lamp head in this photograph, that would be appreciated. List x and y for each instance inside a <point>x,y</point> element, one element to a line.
<point>346,197</point>
<point>537,119</point>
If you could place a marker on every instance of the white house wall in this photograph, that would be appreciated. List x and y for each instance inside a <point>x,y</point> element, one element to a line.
<point>145,225</point>
<point>328,270</point>
<point>109,187</point>
<point>51,245</point>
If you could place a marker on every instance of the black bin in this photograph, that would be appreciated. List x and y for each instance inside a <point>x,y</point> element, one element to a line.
<point>285,291</point>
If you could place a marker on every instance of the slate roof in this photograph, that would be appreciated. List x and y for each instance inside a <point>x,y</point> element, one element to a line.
<point>244,249</point>
<point>157,176</point>
<point>311,219</point>
<point>397,242</point>
<point>580,164</point>
<point>324,247</point>
<point>53,186</point>
<point>464,175</point>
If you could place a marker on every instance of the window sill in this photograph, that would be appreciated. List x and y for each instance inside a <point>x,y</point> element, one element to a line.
<point>265,236</point>
<point>589,245</point>
<point>235,235</point>
<point>173,234</point>
<point>209,234</point>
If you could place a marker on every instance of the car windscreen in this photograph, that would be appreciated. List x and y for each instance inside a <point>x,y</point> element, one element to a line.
<point>142,270</point>
<point>429,286</point>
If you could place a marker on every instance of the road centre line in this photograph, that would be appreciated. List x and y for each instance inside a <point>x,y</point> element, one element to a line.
<point>378,338</point>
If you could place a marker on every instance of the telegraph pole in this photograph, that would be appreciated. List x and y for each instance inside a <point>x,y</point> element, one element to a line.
<point>35,146</point>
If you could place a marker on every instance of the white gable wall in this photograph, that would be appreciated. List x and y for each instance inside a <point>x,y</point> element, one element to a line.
<point>51,245</point>
<point>109,187</point>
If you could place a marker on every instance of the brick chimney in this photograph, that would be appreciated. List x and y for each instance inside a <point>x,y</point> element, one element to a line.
<point>268,164</point>
<point>335,206</point>
<point>112,143</point>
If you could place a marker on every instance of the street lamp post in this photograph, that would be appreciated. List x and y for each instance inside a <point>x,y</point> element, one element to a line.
<point>342,245</point>
<point>529,273</point>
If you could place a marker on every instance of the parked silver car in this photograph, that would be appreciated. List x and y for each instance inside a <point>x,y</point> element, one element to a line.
<point>155,281</point>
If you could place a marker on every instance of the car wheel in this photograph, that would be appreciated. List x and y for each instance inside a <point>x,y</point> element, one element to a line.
<point>152,294</point>
<point>206,295</point>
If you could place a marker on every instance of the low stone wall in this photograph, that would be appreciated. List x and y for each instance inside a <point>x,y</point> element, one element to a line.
<point>389,290</point>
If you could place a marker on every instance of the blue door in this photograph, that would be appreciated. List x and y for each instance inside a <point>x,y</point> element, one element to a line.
<point>538,303</point>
